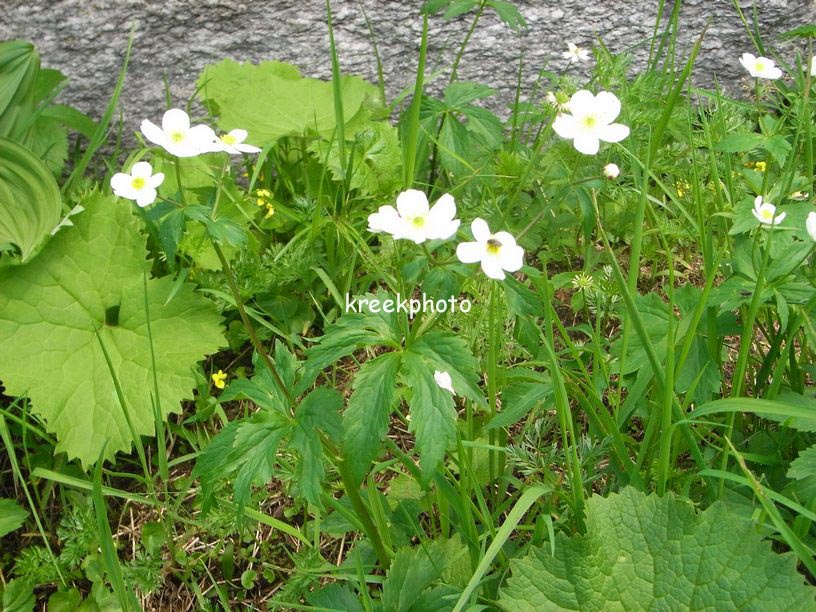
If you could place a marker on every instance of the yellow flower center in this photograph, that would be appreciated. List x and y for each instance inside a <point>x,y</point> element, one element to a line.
<point>766,214</point>
<point>493,246</point>
<point>176,136</point>
<point>759,67</point>
<point>760,166</point>
<point>229,139</point>
<point>138,183</point>
<point>418,221</point>
<point>589,121</point>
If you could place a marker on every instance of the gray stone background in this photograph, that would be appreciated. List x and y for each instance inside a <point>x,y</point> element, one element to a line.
<point>86,39</point>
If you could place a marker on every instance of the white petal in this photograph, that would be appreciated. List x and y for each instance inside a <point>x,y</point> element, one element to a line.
<point>747,60</point>
<point>443,379</point>
<point>247,148</point>
<point>757,202</point>
<point>506,239</point>
<point>443,210</point>
<point>492,267</point>
<point>412,203</point>
<point>511,258</point>
<point>810,225</point>
<point>773,73</point>
<point>153,133</point>
<point>175,120</point>
<point>147,196</point>
<point>586,144</point>
<point>442,230</point>
<point>565,126</point>
<point>409,231</point>
<point>141,169</point>
<point>156,180</point>
<point>480,230</point>
<point>470,252</point>
<point>582,102</point>
<point>778,219</point>
<point>239,135</point>
<point>759,217</point>
<point>386,219</point>
<point>607,106</point>
<point>121,182</point>
<point>613,133</point>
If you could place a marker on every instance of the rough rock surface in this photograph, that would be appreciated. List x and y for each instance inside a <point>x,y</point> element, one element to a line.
<point>86,39</point>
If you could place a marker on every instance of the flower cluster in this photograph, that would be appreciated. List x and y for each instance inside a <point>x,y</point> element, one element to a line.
<point>179,138</point>
<point>414,219</point>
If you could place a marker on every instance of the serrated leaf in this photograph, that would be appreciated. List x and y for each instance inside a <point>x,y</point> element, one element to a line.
<point>335,598</point>
<point>240,94</point>
<point>365,422</point>
<point>739,143</point>
<point>411,572</point>
<point>12,516</point>
<point>350,332</point>
<point>433,416</point>
<point>319,411</point>
<point>244,450</point>
<point>449,353</point>
<point>804,466</point>
<point>644,552</point>
<point>85,291</point>
<point>30,201</point>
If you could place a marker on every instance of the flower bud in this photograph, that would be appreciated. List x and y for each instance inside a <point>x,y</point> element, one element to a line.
<point>611,171</point>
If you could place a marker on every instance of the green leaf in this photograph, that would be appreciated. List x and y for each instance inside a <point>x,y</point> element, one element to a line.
<point>241,95</point>
<point>739,143</point>
<point>12,516</point>
<point>433,416</point>
<point>517,400</point>
<point>365,422</point>
<point>245,450</point>
<point>350,332</point>
<point>643,552</point>
<point>319,411</point>
<point>411,572</point>
<point>804,466</point>
<point>447,352</point>
<point>334,597</point>
<point>805,31</point>
<point>375,158</point>
<point>86,290</point>
<point>18,596</point>
<point>30,202</point>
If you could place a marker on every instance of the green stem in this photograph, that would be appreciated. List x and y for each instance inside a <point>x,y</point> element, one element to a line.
<point>738,381</point>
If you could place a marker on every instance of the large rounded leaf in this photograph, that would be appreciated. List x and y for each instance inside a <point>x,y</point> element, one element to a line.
<point>82,315</point>
<point>30,203</point>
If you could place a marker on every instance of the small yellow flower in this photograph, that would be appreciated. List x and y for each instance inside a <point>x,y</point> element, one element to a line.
<point>219,379</point>
<point>270,210</point>
<point>759,166</point>
<point>263,196</point>
<point>682,187</point>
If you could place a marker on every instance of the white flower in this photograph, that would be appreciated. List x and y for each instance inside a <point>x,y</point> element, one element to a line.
<point>177,137</point>
<point>810,224</point>
<point>412,219</point>
<point>591,121</point>
<point>443,379</point>
<point>576,53</point>
<point>760,67</point>
<point>765,212</point>
<point>139,185</point>
<point>233,143</point>
<point>611,171</point>
<point>496,252</point>
<point>813,66</point>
